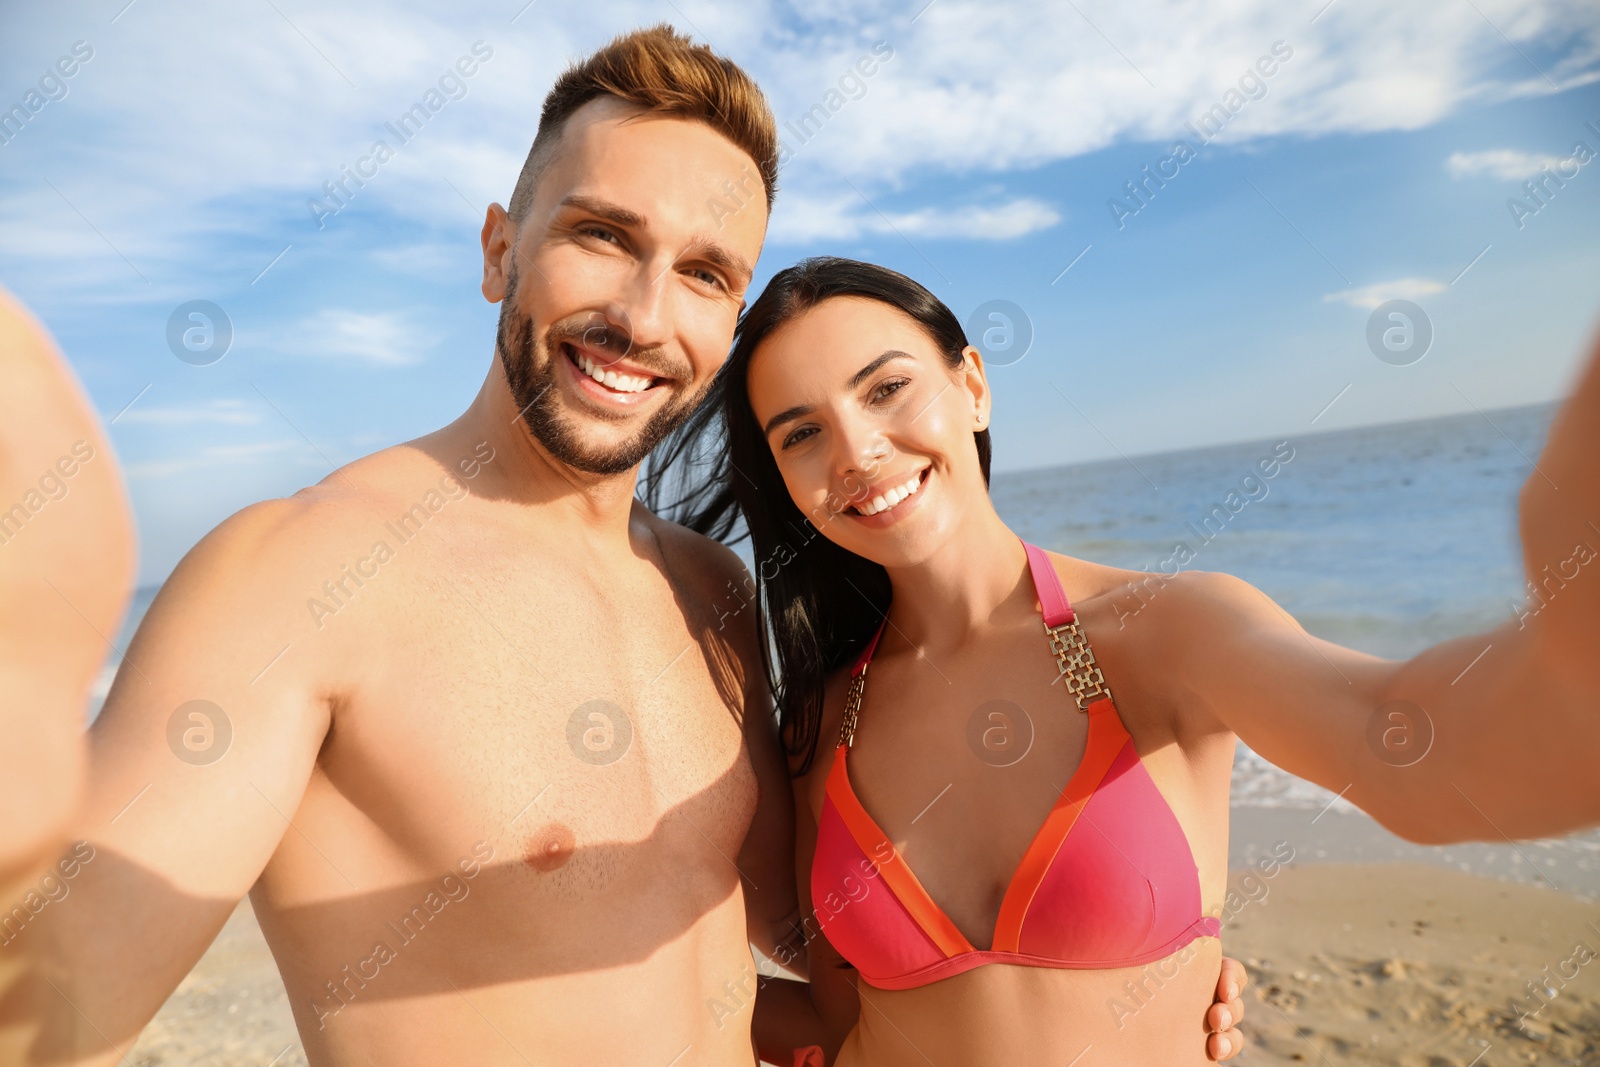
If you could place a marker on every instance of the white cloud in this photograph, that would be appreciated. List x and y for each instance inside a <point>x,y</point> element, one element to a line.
<point>214,456</point>
<point>976,85</point>
<point>426,260</point>
<point>223,412</point>
<point>802,219</point>
<point>194,138</point>
<point>380,339</point>
<point>1504,164</point>
<point>1370,296</point>
<point>1000,222</point>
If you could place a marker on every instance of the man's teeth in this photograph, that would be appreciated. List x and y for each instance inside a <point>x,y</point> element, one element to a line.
<point>891,497</point>
<point>622,383</point>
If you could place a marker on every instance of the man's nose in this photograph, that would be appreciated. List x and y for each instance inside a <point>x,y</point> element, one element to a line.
<point>645,309</point>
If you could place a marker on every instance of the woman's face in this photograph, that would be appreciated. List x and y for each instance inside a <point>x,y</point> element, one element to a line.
<point>871,428</point>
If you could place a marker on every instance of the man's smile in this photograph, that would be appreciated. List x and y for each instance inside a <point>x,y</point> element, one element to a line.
<point>617,381</point>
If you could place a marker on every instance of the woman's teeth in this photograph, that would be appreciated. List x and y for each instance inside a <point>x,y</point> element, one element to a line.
<point>622,383</point>
<point>891,497</point>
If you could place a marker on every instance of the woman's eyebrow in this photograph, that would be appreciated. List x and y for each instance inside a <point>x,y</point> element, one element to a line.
<point>788,415</point>
<point>802,410</point>
<point>866,372</point>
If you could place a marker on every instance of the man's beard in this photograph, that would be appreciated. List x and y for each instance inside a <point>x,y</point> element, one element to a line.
<point>532,381</point>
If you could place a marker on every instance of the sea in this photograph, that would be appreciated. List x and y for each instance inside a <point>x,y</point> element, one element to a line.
<point>1387,539</point>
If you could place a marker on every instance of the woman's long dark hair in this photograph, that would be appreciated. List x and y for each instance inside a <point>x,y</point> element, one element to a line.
<point>818,604</point>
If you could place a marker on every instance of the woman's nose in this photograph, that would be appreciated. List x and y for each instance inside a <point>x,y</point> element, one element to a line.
<point>866,454</point>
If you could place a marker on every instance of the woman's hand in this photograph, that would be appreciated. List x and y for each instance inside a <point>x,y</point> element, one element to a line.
<point>1224,1016</point>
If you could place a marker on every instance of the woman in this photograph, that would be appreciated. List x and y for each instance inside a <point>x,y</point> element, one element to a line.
<point>1008,863</point>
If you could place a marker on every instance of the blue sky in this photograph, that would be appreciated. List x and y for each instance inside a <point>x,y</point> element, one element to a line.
<point>177,163</point>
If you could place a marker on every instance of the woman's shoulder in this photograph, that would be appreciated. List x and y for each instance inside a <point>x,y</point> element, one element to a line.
<point>1158,636</point>
<point>1111,599</point>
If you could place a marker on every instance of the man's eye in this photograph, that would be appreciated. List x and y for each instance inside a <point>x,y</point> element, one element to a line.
<point>711,278</point>
<point>600,232</point>
<point>888,389</point>
<point>799,435</point>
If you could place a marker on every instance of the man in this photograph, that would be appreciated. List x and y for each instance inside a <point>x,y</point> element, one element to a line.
<point>461,718</point>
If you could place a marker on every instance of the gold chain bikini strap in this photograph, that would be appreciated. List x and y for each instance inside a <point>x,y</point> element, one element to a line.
<point>1078,668</point>
<point>1068,643</point>
<point>852,708</point>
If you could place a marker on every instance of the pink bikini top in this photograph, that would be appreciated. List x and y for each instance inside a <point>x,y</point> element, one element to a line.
<point>1108,881</point>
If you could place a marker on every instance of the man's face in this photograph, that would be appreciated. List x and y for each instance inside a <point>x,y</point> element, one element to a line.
<point>622,285</point>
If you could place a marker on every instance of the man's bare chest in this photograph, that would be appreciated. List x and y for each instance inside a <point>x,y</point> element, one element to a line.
<point>582,737</point>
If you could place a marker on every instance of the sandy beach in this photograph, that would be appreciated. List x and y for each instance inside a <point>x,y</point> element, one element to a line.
<point>1363,950</point>
<point>1412,966</point>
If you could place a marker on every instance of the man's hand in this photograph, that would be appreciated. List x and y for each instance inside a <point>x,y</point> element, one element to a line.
<point>1223,1017</point>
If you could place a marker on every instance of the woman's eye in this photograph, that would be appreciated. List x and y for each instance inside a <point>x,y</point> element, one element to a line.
<point>798,435</point>
<point>888,389</point>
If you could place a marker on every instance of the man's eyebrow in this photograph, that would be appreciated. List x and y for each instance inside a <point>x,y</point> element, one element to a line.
<point>721,256</point>
<point>605,209</point>
<point>717,254</point>
<point>802,410</point>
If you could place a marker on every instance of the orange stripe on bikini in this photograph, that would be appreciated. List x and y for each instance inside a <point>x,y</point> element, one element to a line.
<point>1106,738</point>
<point>874,845</point>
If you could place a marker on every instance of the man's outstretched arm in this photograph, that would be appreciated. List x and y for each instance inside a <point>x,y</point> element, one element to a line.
<point>66,568</point>
<point>196,763</point>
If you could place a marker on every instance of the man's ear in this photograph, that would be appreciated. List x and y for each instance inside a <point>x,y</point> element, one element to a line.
<point>976,382</point>
<point>499,238</point>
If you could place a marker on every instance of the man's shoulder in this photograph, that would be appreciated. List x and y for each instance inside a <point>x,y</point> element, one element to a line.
<point>697,557</point>
<point>717,583</point>
<point>276,541</point>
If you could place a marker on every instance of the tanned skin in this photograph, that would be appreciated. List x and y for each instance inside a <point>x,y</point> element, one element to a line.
<point>66,569</point>
<point>500,786</point>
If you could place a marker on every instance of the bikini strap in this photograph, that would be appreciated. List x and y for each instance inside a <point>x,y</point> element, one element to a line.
<point>858,685</point>
<point>1067,643</point>
<point>1067,640</point>
<point>872,646</point>
<point>1047,586</point>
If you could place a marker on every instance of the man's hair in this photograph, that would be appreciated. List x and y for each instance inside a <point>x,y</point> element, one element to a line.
<point>666,74</point>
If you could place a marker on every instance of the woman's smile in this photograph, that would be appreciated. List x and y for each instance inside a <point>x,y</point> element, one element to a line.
<point>890,500</point>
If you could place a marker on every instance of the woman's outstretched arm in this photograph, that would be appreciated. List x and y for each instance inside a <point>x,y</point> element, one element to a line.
<point>1486,737</point>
